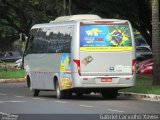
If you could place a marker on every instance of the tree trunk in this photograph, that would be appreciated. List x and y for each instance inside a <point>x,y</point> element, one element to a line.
<point>70,4</point>
<point>156,42</point>
<point>64,7</point>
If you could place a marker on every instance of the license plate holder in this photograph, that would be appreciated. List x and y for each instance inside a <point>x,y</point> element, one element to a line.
<point>106,79</point>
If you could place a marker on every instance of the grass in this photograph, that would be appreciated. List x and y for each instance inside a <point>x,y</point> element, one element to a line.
<point>18,73</point>
<point>8,70</point>
<point>143,85</point>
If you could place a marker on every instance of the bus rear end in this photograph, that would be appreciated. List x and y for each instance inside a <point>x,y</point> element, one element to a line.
<point>106,60</point>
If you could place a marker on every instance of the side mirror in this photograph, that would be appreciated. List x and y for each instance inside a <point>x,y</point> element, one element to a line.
<point>23,37</point>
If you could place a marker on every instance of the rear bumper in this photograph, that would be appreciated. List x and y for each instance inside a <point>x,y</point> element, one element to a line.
<point>97,82</point>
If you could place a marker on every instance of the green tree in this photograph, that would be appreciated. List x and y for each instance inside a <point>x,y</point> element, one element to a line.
<point>18,16</point>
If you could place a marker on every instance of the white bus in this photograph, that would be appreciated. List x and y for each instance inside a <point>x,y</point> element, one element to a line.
<point>80,54</point>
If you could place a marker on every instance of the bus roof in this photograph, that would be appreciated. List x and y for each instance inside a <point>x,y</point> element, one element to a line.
<point>85,18</point>
<point>77,17</point>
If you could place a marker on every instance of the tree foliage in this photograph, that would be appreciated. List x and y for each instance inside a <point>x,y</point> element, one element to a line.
<point>136,11</point>
<point>18,16</point>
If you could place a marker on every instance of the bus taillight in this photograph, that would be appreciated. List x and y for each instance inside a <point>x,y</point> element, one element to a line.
<point>78,65</point>
<point>133,65</point>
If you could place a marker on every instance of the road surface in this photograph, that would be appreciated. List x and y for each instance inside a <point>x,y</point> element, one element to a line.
<point>16,99</point>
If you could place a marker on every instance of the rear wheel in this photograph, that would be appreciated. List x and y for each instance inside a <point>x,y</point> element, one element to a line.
<point>36,92</point>
<point>60,94</point>
<point>28,82</point>
<point>110,94</point>
<point>68,94</point>
<point>79,94</point>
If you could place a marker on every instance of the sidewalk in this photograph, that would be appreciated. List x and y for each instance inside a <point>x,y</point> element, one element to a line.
<point>129,95</point>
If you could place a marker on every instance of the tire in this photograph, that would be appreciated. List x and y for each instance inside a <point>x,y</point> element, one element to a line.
<point>79,94</point>
<point>68,94</point>
<point>36,92</point>
<point>60,94</point>
<point>110,94</point>
<point>28,83</point>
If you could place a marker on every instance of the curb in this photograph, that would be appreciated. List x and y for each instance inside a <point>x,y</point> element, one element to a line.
<point>139,96</point>
<point>14,80</point>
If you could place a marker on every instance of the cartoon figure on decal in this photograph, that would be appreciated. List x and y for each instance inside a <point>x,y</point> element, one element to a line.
<point>87,60</point>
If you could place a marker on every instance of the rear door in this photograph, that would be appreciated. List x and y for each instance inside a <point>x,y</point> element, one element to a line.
<point>105,49</point>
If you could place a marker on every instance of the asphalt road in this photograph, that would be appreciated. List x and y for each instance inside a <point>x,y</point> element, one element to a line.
<point>16,99</point>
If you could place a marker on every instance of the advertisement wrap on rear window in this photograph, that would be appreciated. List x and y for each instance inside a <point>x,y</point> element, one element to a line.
<point>100,38</point>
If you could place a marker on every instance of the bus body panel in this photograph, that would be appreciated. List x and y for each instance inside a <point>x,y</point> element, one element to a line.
<point>107,64</point>
<point>42,68</point>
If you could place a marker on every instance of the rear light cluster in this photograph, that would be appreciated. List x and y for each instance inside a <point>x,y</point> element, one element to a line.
<point>85,78</point>
<point>78,65</point>
<point>133,66</point>
<point>128,78</point>
<point>79,72</point>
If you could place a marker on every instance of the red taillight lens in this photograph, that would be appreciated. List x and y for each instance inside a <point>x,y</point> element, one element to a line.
<point>128,78</point>
<point>78,65</point>
<point>133,66</point>
<point>85,78</point>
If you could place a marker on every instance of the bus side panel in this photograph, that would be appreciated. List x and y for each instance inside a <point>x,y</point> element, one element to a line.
<point>45,62</point>
<point>42,69</point>
<point>53,65</point>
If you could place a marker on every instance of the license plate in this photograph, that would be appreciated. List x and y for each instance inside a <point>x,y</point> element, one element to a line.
<point>106,79</point>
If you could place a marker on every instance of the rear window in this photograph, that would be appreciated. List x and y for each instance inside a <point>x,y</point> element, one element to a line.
<point>143,49</point>
<point>140,42</point>
<point>105,38</point>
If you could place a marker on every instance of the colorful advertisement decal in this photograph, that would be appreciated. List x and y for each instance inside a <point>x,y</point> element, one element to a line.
<point>65,71</point>
<point>105,38</point>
